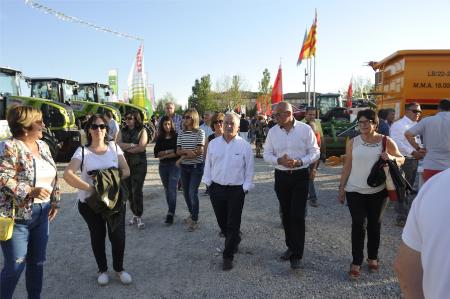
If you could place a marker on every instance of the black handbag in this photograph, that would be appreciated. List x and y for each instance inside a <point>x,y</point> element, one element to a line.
<point>377,176</point>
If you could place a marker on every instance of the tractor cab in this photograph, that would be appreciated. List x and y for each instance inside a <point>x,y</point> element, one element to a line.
<point>54,89</point>
<point>94,92</point>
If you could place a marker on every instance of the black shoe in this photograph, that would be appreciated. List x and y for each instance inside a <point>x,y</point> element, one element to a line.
<point>286,255</point>
<point>169,219</point>
<point>227,264</point>
<point>295,264</point>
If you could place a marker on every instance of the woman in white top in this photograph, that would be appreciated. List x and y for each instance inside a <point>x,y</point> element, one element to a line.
<point>99,154</point>
<point>365,202</point>
<point>29,193</point>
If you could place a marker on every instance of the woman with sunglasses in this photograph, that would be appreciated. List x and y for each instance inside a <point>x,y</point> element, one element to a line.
<point>366,203</point>
<point>217,123</point>
<point>30,194</point>
<point>133,141</point>
<point>96,155</point>
<point>165,150</point>
<point>190,146</point>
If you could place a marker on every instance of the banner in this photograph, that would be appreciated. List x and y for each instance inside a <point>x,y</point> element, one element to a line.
<point>137,83</point>
<point>112,82</point>
<point>277,90</point>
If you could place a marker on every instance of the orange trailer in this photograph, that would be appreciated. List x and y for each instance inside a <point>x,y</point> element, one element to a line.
<point>407,76</point>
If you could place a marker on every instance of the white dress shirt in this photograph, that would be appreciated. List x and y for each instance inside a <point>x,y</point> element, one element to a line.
<point>398,130</point>
<point>229,163</point>
<point>299,143</point>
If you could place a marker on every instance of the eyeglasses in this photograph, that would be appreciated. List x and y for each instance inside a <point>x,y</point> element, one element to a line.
<point>95,126</point>
<point>218,122</point>
<point>226,123</point>
<point>39,122</point>
<point>187,117</point>
<point>129,118</point>
<point>415,111</point>
<point>365,122</point>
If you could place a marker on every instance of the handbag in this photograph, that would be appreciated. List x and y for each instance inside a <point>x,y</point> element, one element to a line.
<point>377,176</point>
<point>7,225</point>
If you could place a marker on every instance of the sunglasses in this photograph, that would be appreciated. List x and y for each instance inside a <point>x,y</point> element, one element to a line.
<point>95,126</point>
<point>39,122</point>
<point>365,122</point>
<point>218,122</point>
<point>416,111</point>
<point>129,118</point>
<point>187,117</point>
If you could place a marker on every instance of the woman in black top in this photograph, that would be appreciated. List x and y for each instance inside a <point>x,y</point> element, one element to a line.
<point>217,123</point>
<point>165,151</point>
<point>133,141</point>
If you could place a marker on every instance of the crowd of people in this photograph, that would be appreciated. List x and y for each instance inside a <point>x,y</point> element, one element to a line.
<point>110,170</point>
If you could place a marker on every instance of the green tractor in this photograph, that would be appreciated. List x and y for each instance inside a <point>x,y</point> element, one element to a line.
<point>66,91</point>
<point>61,133</point>
<point>100,93</point>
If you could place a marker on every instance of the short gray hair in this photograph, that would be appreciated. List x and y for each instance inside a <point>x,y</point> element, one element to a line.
<point>234,115</point>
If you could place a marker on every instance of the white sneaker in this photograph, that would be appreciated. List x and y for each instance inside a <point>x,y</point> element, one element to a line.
<point>103,279</point>
<point>140,224</point>
<point>132,220</point>
<point>124,277</point>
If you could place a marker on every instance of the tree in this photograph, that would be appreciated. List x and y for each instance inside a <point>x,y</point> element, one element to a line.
<point>229,94</point>
<point>201,97</point>
<point>265,91</point>
<point>361,87</point>
<point>168,97</point>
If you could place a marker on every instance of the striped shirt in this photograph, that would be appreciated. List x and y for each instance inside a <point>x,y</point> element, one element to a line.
<point>190,140</point>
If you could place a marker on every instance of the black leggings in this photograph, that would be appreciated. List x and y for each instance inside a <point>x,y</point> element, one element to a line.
<point>362,207</point>
<point>97,228</point>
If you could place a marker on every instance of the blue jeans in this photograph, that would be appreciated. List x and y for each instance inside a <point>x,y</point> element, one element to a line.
<point>312,191</point>
<point>170,174</point>
<point>191,176</point>
<point>28,247</point>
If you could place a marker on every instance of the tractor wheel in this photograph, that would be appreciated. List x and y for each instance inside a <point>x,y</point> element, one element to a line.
<point>49,138</point>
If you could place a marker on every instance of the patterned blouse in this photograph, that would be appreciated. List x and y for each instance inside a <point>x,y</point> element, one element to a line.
<point>18,177</point>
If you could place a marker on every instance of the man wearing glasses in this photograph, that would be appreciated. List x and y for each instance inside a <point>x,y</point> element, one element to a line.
<point>291,147</point>
<point>411,154</point>
<point>229,176</point>
<point>435,131</point>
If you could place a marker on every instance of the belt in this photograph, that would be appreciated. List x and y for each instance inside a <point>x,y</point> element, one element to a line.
<point>293,171</point>
<point>229,186</point>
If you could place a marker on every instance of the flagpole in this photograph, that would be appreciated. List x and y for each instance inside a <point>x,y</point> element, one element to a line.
<point>309,82</point>
<point>314,83</point>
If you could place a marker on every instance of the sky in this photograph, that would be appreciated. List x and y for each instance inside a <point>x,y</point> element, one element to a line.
<point>184,40</point>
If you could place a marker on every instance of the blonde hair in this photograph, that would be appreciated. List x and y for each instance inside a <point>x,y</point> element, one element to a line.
<point>192,112</point>
<point>21,117</point>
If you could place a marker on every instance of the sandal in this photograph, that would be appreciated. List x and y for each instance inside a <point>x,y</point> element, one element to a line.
<point>373,268</point>
<point>354,274</point>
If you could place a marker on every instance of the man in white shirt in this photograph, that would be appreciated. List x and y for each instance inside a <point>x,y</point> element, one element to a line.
<point>412,156</point>
<point>422,262</point>
<point>291,147</point>
<point>228,174</point>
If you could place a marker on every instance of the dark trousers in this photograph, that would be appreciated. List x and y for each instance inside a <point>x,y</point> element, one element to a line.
<point>362,207</point>
<point>135,185</point>
<point>227,202</point>
<point>292,193</point>
<point>97,229</point>
<point>410,170</point>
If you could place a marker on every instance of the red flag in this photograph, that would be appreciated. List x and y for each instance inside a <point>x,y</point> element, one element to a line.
<point>258,107</point>
<point>350,94</point>
<point>312,51</point>
<point>277,90</point>
<point>269,109</point>
<point>302,51</point>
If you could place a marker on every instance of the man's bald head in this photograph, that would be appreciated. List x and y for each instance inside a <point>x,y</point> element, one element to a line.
<point>284,106</point>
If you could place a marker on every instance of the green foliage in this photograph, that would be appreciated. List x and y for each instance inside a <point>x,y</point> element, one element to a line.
<point>168,97</point>
<point>202,96</point>
<point>265,90</point>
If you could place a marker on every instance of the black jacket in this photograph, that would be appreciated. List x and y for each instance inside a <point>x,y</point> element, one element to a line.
<point>109,196</point>
<point>402,186</point>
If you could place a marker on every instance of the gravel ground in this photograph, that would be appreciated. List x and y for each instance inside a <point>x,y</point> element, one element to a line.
<point>169,262</point>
